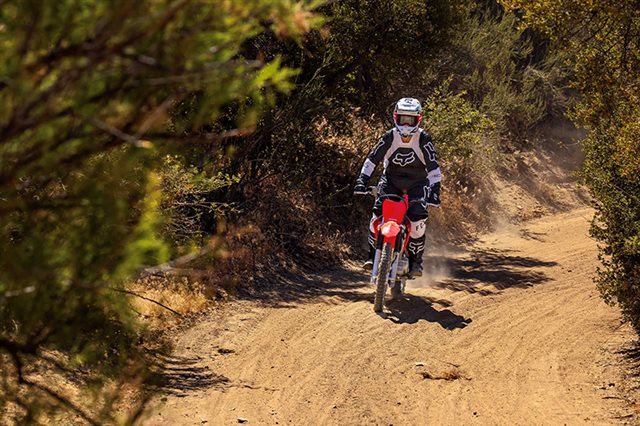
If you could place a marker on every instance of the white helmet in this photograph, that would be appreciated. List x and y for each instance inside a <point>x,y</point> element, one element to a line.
<point>407,116</point>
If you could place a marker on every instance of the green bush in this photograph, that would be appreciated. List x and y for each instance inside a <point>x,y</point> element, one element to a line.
<point>494,65</point>
<point>617,220</point>
<point>463,133</point>
<point>189,205</point>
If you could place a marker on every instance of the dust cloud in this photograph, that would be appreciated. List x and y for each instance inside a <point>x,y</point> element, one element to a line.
<point>437,266</point>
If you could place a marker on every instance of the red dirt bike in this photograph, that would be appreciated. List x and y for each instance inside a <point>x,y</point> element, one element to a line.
<point>390,264</point>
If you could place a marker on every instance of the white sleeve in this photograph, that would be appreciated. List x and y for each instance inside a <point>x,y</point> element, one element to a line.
<point>434,176</point>
<point>368,167</point>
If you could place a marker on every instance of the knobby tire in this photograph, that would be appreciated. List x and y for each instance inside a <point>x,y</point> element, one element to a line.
<point>383,276</point>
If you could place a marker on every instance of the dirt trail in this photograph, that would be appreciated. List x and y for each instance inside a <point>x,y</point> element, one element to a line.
<point>508,331</point>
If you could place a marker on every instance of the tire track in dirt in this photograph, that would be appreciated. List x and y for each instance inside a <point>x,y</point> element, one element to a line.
<point>512,332</point>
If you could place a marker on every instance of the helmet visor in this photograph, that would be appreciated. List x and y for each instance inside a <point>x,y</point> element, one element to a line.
<point>407,120</point>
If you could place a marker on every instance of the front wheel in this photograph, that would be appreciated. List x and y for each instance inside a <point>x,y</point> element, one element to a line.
<point>383,276</point>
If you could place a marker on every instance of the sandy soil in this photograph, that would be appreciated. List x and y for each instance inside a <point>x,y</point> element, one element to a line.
<point>507,331</point>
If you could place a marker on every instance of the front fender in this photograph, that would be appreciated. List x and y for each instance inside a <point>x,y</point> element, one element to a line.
<point>390,231</point>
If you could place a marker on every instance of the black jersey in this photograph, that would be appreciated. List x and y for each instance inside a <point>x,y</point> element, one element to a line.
<point>406,164</point>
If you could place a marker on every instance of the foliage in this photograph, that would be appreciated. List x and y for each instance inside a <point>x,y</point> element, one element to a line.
<point>494,63</point>
<point>456,124</point>
<point>497,82</point>
<point>603,37</point>
<point>92,94</point>
<point>385,45</point>
<point>351,72</point>
<point>187,202</point>
<point>487,94</point>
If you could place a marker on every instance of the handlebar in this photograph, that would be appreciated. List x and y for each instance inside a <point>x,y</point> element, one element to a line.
<point>373,191</point>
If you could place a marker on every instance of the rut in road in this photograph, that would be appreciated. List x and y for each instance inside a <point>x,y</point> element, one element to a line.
<point>507,331</point>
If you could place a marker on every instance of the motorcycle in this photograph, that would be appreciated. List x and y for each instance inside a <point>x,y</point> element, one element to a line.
<point>390,263</point>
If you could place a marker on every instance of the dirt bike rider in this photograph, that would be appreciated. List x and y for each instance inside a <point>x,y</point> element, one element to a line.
<point>410,167</point>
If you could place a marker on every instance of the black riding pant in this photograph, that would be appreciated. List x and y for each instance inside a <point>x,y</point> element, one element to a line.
<point>417,210</point>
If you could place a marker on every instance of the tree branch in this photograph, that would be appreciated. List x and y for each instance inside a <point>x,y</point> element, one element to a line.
<point>183,260</point>
<point>164,19</point>
<point>202,137</point>
<point>16,293</point>
<point>115,132</point>
<point>132,293</point>
<point>13,347</point>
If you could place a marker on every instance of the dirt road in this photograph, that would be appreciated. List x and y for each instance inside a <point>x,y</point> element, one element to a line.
<point>509,331</point>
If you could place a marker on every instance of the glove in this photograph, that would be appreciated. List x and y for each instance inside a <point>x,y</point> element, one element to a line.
<point>434,195</point>
<point>361,185</point>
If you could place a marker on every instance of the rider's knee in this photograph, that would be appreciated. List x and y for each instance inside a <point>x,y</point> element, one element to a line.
<point>418,228</point>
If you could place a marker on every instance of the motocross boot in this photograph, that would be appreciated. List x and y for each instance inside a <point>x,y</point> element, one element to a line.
<point>415,252</point>
<point>368,264</point>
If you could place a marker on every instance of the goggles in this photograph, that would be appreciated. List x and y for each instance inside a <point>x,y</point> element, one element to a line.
<point>407,120</point>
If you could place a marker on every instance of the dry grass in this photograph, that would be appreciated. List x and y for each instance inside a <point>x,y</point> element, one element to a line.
<point>167,299</point>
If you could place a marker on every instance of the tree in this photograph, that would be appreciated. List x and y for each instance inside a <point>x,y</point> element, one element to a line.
<point>92,93</point>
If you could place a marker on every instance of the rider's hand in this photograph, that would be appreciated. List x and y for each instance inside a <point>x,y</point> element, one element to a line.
<point>433,199</point>
<point>360,189</point>
<point>361,185</point>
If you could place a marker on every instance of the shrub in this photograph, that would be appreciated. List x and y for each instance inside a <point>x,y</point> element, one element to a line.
<point>189,206</point>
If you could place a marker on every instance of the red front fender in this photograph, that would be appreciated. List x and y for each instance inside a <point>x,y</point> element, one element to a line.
<point>390,231</point>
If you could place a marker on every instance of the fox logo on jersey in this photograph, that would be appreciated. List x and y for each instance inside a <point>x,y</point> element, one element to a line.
<point>404,159</point>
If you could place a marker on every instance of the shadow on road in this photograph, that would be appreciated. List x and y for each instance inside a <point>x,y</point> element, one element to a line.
<point>288,290</point>
<point>178,376</point>
<point>484,272</point>
<point>487,272</point>
<point>412,309</point>
<point>631,353</point>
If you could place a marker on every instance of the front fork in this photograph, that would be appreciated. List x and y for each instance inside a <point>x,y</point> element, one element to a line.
<point>376,262</point>
<point>392,273</point>
<point>399,264</point>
